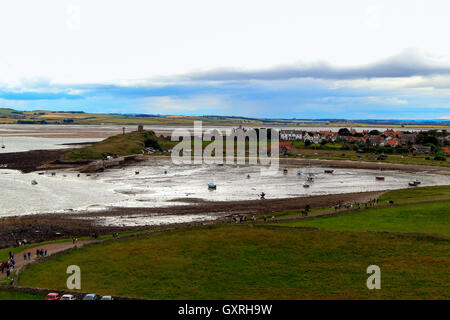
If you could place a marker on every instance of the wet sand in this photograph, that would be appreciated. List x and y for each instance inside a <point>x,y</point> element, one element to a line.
<point>30,161</point>
<point>42,227</point>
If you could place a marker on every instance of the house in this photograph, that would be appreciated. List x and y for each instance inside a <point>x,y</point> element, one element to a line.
<point>358,140</point>
<point>421,149</point>
<point>392,133</point>
<point>446,150</point>
<point>291,135</point>
<point>407,138</point>
<point>376,140</point>
<point>392,142</point>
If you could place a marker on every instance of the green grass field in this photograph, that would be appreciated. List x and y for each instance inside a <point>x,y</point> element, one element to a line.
<point>416,194</point>
<point>433,218</point>
<point>17,295</point>
<point>263,262</point>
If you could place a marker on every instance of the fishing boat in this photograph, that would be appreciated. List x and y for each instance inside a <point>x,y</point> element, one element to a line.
<point>212,186</point>
<point>379,178</point>
<point>328,171</point>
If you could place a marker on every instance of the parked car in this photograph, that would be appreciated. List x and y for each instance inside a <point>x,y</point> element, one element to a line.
<point>107,298</point>
<point>90,296</point>
<point>68,297</point>
<point>53,296</point>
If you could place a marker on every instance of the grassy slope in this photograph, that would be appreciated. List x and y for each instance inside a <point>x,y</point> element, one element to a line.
<point>421,218</point>
<point>416,194</point>
<point>16,295</point>
<point>234,262</point>
<point>130,143</point>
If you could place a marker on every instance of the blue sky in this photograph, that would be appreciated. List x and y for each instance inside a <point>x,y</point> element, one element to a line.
<point>287,59</point>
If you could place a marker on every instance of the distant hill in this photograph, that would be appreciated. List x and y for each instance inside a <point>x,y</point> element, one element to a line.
<point>12,116</point>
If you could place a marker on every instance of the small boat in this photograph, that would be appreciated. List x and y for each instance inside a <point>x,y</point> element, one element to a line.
<point>34,182</point>
<point>285,170</point>
<point>3,145</point>
<point>310,179</point>
<point>212,186</point>
<point>136,172</point>
<point>248,176</point>
<point>328,171</point>
<point>414,183</point>
<point>379,178</point>
<point>306,185</point>
<point>299,172</point>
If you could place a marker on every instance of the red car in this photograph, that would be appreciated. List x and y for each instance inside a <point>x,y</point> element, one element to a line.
<point>53,296</point>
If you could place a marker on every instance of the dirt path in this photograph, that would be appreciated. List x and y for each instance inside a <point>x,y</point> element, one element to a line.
<point>51,248</point>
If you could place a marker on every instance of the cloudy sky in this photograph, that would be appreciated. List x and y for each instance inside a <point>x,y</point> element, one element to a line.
<point>266,59</point>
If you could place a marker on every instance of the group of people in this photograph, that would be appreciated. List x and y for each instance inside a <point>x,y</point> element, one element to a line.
<point>39,253</point>
<point>243,218</point>
<point>8,266</point>
<point>357,205</point>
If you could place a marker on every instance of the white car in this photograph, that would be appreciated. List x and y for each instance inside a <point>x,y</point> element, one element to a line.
<point>106,298</point>
<point>68,297</point>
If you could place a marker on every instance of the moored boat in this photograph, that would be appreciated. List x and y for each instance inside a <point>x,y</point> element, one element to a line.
<point>379,178</point>
<point>212,186</point>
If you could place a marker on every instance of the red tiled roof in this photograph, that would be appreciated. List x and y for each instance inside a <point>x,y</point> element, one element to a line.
<point>446,150</point>
<point>392,142</point>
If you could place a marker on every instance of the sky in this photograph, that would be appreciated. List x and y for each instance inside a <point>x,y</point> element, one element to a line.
<point>263,59</point>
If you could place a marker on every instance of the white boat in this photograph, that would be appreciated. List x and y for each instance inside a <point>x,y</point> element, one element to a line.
<point>34,182</point>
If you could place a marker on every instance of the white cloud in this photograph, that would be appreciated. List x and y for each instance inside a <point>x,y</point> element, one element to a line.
<point>132,39</point>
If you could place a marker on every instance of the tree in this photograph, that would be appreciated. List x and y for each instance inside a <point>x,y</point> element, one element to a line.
<point>374,132</point>
<point>307,143</point>
<point>344,132</point>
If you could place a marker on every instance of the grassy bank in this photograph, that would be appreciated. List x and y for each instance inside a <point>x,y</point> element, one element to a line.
<point>122,145</point>
<point>416,194</point>
<point>433,218</point>
<point>244,262</point>
<point>17,295</point>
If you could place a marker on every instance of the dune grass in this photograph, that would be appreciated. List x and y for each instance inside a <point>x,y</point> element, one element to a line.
<point>245,262</point>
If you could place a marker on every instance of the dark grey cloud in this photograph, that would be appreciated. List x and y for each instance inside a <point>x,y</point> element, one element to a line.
<point>407,64</point>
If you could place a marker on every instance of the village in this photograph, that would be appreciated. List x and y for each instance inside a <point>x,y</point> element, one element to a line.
<point>388,141</point>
